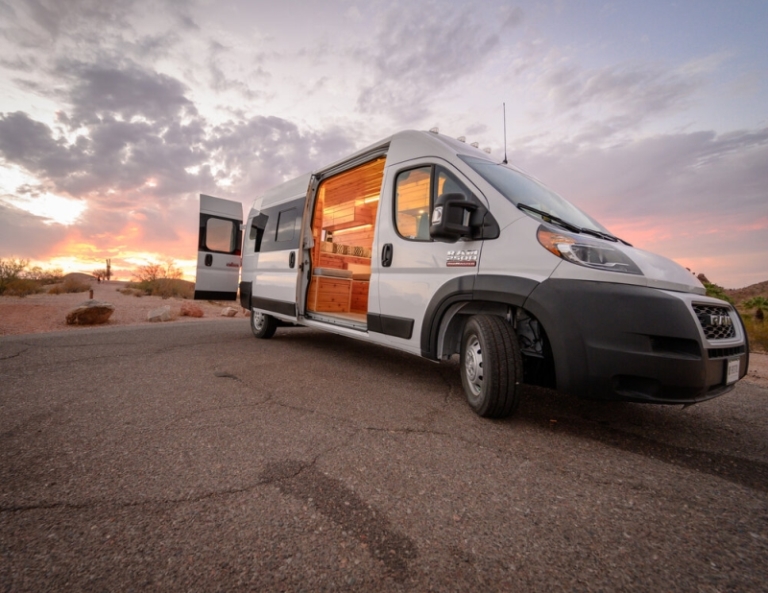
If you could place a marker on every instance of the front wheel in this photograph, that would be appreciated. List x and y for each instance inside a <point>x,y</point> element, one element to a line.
<point>491,366</point>
<point>262,325</point>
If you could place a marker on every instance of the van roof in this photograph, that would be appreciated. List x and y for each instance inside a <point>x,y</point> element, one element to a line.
<point>400,147</point>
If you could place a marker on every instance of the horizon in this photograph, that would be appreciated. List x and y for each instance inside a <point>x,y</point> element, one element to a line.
<point>652,118</point>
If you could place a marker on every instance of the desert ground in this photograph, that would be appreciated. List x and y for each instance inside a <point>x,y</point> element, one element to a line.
<point>45,312</point>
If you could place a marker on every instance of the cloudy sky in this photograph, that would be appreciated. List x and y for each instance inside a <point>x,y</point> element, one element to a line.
<point>652,116</point>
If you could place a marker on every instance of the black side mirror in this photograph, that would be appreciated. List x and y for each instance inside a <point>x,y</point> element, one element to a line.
<point>456,216</point>
<point>452,217</point>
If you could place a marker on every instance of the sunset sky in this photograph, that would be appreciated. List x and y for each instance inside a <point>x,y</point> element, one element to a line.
<point>651,116</point>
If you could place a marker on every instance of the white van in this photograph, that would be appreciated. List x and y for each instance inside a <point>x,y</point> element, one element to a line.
<point>425,244</point>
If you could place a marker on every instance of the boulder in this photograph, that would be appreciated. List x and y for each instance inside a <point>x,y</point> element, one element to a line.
<point>191,310</point>
<point>229,312</point>
<point>90,313</point>
<point>160,314</point>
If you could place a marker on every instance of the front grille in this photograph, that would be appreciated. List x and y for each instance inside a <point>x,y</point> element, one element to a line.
<point>726,352</point>
<point>715,321</point>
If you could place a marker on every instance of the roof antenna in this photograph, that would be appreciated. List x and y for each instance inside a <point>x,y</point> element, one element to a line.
<point>504,106</point>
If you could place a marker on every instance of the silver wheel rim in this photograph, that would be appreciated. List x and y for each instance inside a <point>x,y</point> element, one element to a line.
<point>473,366</point>
<point>257,319</point>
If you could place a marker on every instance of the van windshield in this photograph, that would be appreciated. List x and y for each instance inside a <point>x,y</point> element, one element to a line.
<point>531,196</point>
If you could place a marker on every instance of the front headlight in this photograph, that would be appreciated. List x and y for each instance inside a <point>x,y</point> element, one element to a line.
<point>586,251</point>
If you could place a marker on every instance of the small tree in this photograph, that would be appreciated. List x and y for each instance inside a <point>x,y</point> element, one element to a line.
<point>171,270</point>
<point>760,304</point>
<point>148,273</point>
<point>11,269</point>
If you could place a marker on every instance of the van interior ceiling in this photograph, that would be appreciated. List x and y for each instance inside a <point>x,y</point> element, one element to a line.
<point>343,229</point>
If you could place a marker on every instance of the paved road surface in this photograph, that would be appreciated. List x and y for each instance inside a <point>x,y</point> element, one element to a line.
<point>197,458</point>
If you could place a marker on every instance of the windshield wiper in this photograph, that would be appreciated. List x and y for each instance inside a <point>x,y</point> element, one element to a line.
<point>607,236</point>
<point>600,235</point>
<point>550,218</point>
<point>570,226</point>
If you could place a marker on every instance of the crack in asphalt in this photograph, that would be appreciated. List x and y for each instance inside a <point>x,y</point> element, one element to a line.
<point>15,355</point>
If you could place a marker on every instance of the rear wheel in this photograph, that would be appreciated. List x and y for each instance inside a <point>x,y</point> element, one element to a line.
<point>262,325</point>
<point>491,366</point>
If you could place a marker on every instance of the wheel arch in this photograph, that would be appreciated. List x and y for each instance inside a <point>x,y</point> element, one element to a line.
<point>460,297</point>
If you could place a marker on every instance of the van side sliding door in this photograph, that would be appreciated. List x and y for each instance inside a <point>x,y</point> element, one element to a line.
<point>276,275</point>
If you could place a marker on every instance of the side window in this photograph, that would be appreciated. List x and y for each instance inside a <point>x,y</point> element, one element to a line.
<point>220,235</point>
<point>412,203</point>
<point>256,232</point>
<point>448,184</point>
<point>286,225</point>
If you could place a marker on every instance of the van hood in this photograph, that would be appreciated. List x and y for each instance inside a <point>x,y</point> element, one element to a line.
<point>657,272</point>
<point>663,273</point>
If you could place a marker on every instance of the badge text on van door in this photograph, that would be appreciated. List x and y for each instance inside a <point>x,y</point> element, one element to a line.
<point>462,258</point>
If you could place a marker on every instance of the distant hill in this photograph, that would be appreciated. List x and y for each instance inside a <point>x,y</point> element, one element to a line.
<point>739,295</point>
<point>79,276</point>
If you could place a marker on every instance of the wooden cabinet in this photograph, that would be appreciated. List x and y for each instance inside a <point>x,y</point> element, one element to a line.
<point>328,294</point>
<point>359,303</point>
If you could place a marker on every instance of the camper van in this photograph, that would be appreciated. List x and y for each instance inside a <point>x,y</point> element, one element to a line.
<point>426,244</point>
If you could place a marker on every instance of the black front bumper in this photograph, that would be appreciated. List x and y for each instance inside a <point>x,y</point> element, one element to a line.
<point>631,343</point>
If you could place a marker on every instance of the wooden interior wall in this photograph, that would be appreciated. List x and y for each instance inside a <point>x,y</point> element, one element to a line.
<point>356,184</point>
<point>413,193</point>
<point>346,206</point>
<point>358,237</point>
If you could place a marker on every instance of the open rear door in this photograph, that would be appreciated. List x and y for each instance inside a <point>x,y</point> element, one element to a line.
<point>218,249</point>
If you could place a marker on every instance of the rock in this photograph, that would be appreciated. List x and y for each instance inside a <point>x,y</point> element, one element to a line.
<point>191,310</point>
<point>161,314</point>
<point>90,313</point>
<point>229,312</point>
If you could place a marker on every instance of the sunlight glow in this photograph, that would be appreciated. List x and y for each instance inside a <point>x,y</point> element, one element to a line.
<point>54,209</point>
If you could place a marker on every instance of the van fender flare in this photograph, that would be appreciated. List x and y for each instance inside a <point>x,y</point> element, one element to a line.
<point>486,293</point>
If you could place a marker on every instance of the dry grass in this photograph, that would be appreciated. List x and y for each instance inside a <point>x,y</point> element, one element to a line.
<point>164,288</point>
<point>71,284</point>
<point>757,332</point>
<point>21,287</point>
<point>131,292</point>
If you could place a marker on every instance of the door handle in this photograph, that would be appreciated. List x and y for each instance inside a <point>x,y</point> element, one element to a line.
<point>292,259</point>
<point>386,255</point>
<point>208,259</point>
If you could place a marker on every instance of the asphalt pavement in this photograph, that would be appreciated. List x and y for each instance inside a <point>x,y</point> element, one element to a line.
<point>193,457</point>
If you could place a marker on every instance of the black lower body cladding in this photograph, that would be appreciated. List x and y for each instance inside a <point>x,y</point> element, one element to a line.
<point>624,342</point>
<point>245,294</point>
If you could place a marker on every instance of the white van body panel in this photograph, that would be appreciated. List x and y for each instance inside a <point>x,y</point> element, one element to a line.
<point>269,269</point>
<point>517,252</point>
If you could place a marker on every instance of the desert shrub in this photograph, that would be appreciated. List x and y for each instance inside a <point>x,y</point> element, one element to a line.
<point>717,292</point>
<point>44,276</point>
<point>757,332</point>
<point>157,271</point>
<point>131,292</point>
<point>70,285</point>
<point>22,287</point>
<point>760,306</point>
<point>165,288</point>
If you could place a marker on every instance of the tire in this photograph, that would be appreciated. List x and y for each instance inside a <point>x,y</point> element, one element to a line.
<point>263,326</point>
<point>491,366</point>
